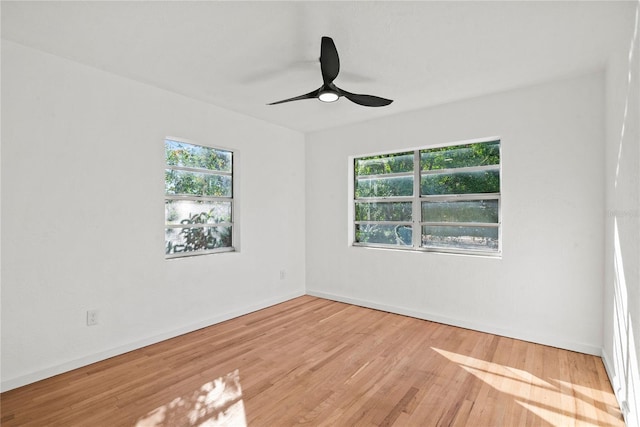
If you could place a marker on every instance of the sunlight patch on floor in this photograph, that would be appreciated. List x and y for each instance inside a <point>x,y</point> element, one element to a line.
<point>556,402</point>
<point>553,417</point>
<point>216,403</point>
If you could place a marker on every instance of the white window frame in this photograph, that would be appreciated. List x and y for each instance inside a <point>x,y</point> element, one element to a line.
<point>231,199</point>
<point>416,199</point>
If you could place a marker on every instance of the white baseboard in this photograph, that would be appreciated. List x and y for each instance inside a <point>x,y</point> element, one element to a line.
<point>20,381</point>
<point>491,329</point>
<point>613,379</point>
<point>103,355</point>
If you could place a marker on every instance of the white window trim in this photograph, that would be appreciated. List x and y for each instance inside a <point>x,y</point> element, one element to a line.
<point>417,222</point>
<point>235,232</point>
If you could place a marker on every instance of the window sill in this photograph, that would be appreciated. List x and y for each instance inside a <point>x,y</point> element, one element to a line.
<point>199,253</point>
<point>438,251</point>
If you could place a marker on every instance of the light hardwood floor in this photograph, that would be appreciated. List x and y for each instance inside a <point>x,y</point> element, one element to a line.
<point>322,363</point>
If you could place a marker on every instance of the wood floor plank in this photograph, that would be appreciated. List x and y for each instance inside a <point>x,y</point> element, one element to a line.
<point>315,362</point>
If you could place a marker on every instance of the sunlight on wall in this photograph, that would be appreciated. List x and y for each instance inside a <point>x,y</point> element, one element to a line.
<point>217,403</point>
<point>623,365</point>
<point>625,117</point>
<point>625,358</point>
<point>555,401</point>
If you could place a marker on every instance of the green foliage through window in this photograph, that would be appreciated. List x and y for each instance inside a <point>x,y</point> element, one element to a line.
<point>197,183</point>
<point>460,156</point>
<point>383,211</point>
<point>198,199</point>
<point>196,156</point>
<point>485,211</point>
<point>485,181</point>
<point>457,202</point>
<point>384,187</point>
<point>383,164</point>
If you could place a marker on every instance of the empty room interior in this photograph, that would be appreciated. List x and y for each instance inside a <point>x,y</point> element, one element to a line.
<point>438,225</point>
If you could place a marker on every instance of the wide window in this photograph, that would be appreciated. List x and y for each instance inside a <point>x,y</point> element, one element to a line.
<point>440,199</point>
<point>198,199</point>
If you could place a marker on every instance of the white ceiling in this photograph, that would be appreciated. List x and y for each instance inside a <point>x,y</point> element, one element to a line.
<point>243,55</point>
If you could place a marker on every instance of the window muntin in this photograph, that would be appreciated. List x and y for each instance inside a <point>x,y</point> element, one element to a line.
<point>198,199</point>
<point>438,199</point>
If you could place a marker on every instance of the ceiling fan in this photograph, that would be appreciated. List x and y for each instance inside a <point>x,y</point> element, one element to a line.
<point>328,92</point>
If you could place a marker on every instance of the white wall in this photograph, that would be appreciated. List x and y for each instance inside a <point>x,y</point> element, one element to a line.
<point>547,287</point>
<point>622,226</point>
<point>82,216</point>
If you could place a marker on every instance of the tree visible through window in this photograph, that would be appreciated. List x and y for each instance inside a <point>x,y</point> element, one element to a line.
<point>198,199</point>
<point>445,198</point>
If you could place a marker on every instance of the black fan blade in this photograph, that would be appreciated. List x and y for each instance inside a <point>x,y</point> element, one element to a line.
<point>309,95</point>
<point>366,100</point>
<point>329,61</point>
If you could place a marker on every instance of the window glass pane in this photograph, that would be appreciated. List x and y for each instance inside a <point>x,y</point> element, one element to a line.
<point>481,238</point>
<point>196,212</point>
<point>196,156</point>
<point>195,239</point>
<point>384,187</point>
<point>460,183</point>
<point>197,183</point>
<point>388,163</point>
<point>384,233</point>
<point>460,211</point>
<point>479,154</point>
<point>382,211</point>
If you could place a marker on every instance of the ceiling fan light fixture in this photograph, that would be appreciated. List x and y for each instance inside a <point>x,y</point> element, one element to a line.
<point>328,92</point>
<point>328,96</point>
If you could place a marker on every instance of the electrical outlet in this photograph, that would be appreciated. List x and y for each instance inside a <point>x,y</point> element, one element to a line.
<point>282,274</point>
<point>92,317</point>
